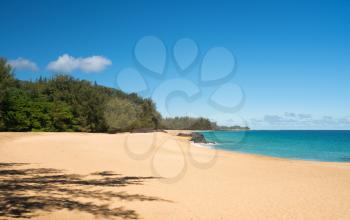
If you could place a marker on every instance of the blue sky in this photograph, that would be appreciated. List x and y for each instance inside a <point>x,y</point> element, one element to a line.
<point>292,58</point>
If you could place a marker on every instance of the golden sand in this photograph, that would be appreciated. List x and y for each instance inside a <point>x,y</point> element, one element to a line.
<point>160,176</point>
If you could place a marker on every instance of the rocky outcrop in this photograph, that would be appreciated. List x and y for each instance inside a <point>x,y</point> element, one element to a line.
<point>184,134</point>
<point>198,138</point>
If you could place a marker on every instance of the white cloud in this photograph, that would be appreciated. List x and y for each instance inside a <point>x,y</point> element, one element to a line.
<point>67,64</point>
<point>23,64</point>
<point>289,114</point>
<point>345,120</point>
<point>291,120</point>
<point>304,116</point>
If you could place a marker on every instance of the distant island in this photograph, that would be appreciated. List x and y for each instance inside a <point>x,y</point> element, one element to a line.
<point>63,103</point>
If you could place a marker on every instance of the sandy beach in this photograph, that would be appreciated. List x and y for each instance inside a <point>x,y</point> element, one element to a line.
<point>160,176</point>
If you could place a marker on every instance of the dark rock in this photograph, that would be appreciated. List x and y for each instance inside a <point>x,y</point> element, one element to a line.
<point>147,130</point>
<point>198,138</point>
<point>184,134</point>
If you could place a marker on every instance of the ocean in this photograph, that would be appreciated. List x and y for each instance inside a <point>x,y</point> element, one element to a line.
<point>294,144</point>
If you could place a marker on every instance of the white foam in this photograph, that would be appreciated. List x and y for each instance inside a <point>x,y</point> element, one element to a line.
<point>202,145</point>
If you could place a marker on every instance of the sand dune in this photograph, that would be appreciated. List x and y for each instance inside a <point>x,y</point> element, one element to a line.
<point>160,176</point>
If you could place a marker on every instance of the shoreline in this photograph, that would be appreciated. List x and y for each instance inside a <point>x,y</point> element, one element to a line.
<point>261,156</point>
<point>8,135</point>
<point>181,175</point>
<point>201,145</point>
<point>207,144</point>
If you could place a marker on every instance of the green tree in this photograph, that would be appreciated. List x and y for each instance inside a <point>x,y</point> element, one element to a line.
<point>40,119</point>
<point>6,81</point>
<point>17,110</point>
<point>63,103</point>
<point>62,118</point>
<point>121,115</point>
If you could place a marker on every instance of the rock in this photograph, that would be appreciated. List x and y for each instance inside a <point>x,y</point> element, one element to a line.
<point>184,134</point>
<point>146,130</point>
<point>198,138</point>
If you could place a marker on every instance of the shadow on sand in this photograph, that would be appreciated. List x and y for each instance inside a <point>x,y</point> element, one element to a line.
<point>25,191</point>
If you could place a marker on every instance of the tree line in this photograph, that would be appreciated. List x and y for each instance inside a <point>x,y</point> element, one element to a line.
<point>63,103</point>
<point>192,123</point>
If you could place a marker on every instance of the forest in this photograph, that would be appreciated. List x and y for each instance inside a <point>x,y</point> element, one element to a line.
<point>63,103</point>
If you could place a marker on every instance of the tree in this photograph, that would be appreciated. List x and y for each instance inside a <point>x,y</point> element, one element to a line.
<point>187,123</point>
<point>63,103</point>
<point>122,115</point>
<point>62,118</point>
<point>17,110</point>
<point>6,81</point>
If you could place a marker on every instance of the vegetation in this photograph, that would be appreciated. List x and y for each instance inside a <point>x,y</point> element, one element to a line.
<point>63,103</point>
<point>187,123</point>
<point>235,127</point>
<point>191,123</point>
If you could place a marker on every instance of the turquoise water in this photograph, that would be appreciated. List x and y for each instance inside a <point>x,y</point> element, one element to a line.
<point>305,145</point>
